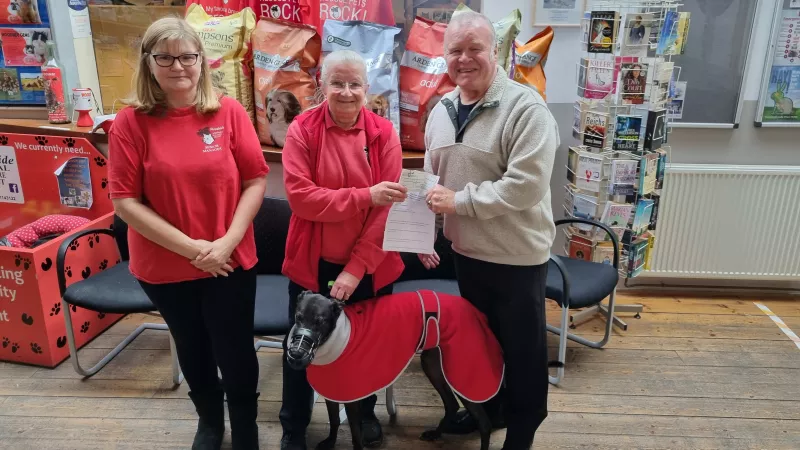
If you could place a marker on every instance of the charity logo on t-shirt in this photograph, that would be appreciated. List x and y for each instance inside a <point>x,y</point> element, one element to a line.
<point>209,135</point>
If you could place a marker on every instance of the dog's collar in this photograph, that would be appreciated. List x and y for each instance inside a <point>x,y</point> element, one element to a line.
<point>332,349</point>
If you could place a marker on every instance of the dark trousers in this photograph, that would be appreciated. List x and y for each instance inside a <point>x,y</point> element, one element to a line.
<point>211,321</point>
<point>512,298</point>
<point>298,396</point>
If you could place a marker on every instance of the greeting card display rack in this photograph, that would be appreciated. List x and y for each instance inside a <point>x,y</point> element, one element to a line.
<point>626,82</point>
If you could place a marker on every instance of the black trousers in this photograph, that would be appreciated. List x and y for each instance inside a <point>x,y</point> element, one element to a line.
<point>298,396</point>
<point>211,321</point>
<point>512,298</point>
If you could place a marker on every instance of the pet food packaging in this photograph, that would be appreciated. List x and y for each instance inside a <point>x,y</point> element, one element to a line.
<point>218,8</point>
<point>226,41</point>
<point>423,80</point>
<point>285,10</point>
<point>375,11</point>
<point>507,29</point>
<point>285,56</point>
<point>375,43</point>
<point>530,60</point>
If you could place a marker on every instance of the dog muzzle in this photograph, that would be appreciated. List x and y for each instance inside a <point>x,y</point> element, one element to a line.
<point>301,348</point>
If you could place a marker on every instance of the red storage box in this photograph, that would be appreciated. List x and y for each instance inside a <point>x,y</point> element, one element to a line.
<point>42,176</point>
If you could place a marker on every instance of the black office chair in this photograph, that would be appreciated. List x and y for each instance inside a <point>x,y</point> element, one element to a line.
<point>574,283</point>
<point>270,227</point>
<point>112,291</point>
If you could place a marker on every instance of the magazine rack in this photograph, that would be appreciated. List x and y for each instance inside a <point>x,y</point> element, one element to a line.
<point>625,82</point>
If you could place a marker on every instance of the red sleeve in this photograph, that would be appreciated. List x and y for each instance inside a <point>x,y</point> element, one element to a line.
<point>125,161</point>
<point>245,145</point>
<point>309,201</point>
<point>368,252</point>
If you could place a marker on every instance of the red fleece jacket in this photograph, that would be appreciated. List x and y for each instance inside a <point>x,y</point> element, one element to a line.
<point>335,195</point>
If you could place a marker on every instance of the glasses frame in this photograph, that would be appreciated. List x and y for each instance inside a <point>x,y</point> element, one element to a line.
<point>347,85</point>
<point>173,58</point>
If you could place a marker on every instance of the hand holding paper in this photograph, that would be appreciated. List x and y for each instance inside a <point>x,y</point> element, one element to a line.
<point>411,226</point>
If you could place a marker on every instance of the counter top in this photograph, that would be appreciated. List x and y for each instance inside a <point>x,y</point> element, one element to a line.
<point>411,159</point>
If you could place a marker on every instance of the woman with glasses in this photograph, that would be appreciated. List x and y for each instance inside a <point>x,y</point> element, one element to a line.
<point>187,175</point>
<point>341,164</point>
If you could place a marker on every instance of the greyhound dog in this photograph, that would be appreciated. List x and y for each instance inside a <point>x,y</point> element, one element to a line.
<point>352,351</point>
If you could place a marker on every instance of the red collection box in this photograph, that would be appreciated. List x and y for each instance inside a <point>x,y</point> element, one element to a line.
<point>42,176</point>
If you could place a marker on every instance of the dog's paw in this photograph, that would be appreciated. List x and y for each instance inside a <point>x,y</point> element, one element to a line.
<point>327,444</point>
<point>431,435</point>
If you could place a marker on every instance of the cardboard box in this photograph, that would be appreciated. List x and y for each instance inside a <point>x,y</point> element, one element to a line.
<point>117,34</point>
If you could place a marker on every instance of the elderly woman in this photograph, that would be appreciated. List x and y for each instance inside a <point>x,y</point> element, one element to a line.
<point>188,176</point>
<point>341,164</point>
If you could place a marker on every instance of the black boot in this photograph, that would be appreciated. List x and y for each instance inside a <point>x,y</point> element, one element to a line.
<point>210,407</point>
<point>243,410</point>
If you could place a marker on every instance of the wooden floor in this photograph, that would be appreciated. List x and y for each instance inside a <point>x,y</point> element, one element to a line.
<point>690,374</point>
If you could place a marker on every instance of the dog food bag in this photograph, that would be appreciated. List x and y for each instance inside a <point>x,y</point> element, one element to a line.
<point>375,43</point>
<point>227,46</point>
<point>507,29</point>
<point>286,10</point>
<point>285,56</point>
<point>530,60</point>
<point>375,11</point>
<point>423,80</point>
<point>218,8</point>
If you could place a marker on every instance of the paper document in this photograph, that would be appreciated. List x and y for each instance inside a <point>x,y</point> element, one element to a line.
<point>411,226</point>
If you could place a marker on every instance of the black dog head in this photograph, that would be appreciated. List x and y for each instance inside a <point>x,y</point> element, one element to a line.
<point>314,320</point>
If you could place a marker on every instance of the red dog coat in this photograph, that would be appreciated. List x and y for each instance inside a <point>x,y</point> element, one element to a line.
<point>386,332</point>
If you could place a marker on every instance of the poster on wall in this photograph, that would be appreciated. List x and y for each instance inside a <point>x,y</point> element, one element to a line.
<point>75,183</point>
<point>558,13</point>
<point>24,32</point>
<point>780,100</point>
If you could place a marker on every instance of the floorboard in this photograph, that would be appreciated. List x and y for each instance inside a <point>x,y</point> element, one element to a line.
<point>690,373</point>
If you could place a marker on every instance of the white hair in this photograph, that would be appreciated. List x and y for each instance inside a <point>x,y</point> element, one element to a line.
<point>340,57</point>
<point>473,19</point>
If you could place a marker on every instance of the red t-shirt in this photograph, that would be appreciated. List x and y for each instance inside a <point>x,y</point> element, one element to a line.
<point>189,169</point>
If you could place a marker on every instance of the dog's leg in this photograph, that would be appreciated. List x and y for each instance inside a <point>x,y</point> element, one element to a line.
<point>353,410</point>
<point>333,417</point>
<point>484,423</point>
<point>432,366</point>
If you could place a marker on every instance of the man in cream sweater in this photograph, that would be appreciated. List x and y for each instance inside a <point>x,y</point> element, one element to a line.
<point>492,142</point>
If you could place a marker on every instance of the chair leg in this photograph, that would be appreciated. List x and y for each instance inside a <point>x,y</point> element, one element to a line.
<point>589,313</point>
<point>73,347</point>
<point>177,374</point>
<point>594,344</point>
<point>562,346</point>
<point>269,342</point>
<point>391,405</point>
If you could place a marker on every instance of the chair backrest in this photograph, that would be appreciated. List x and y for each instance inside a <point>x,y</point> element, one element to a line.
<point>271,226</point>
<point>446,270</point>
<point>121,236</point>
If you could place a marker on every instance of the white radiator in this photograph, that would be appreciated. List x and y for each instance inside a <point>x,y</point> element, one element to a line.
<point>728,222</point>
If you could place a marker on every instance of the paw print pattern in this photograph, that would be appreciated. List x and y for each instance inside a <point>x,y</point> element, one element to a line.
<point>92,239</point>
<point>101,315</point>
<point>18,260</point>
<point>68,271</point>
<point>55,309</point>
<point>14,347</point>
<point>104,264</point>
<point>3,140</point>
<point>61,342</point>
<point>74,245</point>
<point>26,263</point>
<point>104,183</point>
<point>73,308</point>
<point>35,348</point>
<point>41,140</point>
<point>5,342</point>
<point>85,327</point>
<point>69,142</point>
<point>100,161</point>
